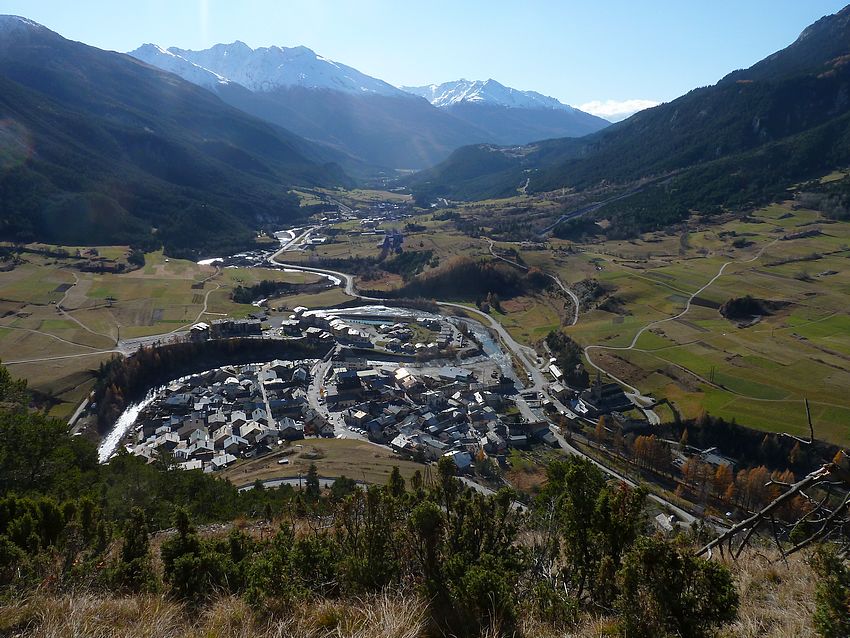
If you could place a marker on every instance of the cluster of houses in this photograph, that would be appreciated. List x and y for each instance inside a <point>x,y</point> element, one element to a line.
<point>445,412</point>
<point>226,328</point>
<point>209,420</point>
<point>322,325</point>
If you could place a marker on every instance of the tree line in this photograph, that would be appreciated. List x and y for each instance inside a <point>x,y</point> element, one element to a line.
<point>463,278</point>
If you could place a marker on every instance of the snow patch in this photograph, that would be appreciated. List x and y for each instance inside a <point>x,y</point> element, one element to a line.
<point>485,92</point>
<point>264,69</point>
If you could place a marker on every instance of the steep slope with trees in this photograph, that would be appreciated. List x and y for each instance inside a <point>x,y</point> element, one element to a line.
<point>97,147</point>
<point>738,142</point>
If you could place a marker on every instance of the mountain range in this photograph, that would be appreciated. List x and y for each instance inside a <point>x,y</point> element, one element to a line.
<point>197,150</point>
<point>98,148</point>
<point>737,143</point>
<point>367,118</point>
<point>509,116</point>
<point>193,150</point>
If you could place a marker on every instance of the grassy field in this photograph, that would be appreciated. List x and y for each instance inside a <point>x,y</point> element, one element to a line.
<point>49,310</point>
<point>757,375</point>
<point>353,241</point>
<point>358,460</point>
<point>363,197</point>
<point>325,299</point>
<point>530,319</point>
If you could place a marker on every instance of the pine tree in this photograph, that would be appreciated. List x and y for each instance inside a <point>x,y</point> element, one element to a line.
<point>396,483</point>
<point>134,571</point>
<point>312,490</point>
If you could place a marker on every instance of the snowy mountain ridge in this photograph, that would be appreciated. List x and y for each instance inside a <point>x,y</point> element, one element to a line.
<point>156,56</point>
<point>265,69</point>
<point>14,23</point>
<point>485,92</point>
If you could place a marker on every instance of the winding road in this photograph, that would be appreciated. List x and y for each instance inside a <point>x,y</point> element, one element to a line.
<point>657,322</point>
<point>554,278</point>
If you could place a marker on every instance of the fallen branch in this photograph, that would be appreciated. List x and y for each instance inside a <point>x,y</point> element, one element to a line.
<point>749,525</point>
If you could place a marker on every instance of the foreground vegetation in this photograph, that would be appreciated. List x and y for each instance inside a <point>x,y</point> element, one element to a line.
<point>85,548</point>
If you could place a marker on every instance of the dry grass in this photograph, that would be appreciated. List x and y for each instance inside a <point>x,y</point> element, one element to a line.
<point>91,616</point>
<point>776,602</point>
<point>356,459</point>
<point>777,598</point>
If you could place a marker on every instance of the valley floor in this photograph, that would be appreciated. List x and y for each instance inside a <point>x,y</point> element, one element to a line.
<point>58,324</point>
<point>757,373</point>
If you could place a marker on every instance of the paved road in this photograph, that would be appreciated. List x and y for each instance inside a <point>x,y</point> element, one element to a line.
<point>316,400</point>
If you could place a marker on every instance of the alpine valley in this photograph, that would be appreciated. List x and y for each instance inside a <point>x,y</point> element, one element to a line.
<point>291,351</point>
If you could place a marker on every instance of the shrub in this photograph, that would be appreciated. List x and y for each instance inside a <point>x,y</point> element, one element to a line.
<point>134,571</point>
<point>832,596</point>
<point>664,590</point>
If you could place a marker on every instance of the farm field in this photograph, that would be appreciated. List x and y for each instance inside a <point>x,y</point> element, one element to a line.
<point>758,375</point>
<point>325,299</point>
<point>358,460</point>
<point>349,240</point>
<point>50,310</point>
<point>530,319</point>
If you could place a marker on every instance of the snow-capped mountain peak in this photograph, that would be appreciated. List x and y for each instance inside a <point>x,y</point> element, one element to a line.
<point>164,59</point>
<point>270,68</point>
<point>485,92</point>
<point>10,23</point>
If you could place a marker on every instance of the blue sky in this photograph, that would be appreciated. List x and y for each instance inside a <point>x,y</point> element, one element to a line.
<point>580,51</point>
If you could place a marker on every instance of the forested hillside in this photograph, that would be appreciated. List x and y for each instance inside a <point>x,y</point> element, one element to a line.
<point>99,148</point>
<point>735,144</point>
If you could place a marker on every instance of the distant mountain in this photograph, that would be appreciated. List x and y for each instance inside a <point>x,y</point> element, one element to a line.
<point>98,148</point>
<point>509,116</point>
<point>365,117</point>
<point>484,92</point>
<point>167,61</point>
<point>734,144</point>
<point>270,68</point>
<point>322,100</point>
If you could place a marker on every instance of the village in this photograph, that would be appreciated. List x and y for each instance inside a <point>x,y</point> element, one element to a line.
<point>417,383</point>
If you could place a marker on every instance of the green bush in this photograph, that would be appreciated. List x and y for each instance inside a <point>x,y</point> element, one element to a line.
<point>832,596</point>
<point>666,591</point>
<point>134,571</point>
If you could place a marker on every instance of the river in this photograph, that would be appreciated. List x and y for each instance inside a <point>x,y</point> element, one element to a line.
<point>110,442</point>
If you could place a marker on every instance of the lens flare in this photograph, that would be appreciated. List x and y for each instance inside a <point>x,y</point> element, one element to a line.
<point>15,144</point>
